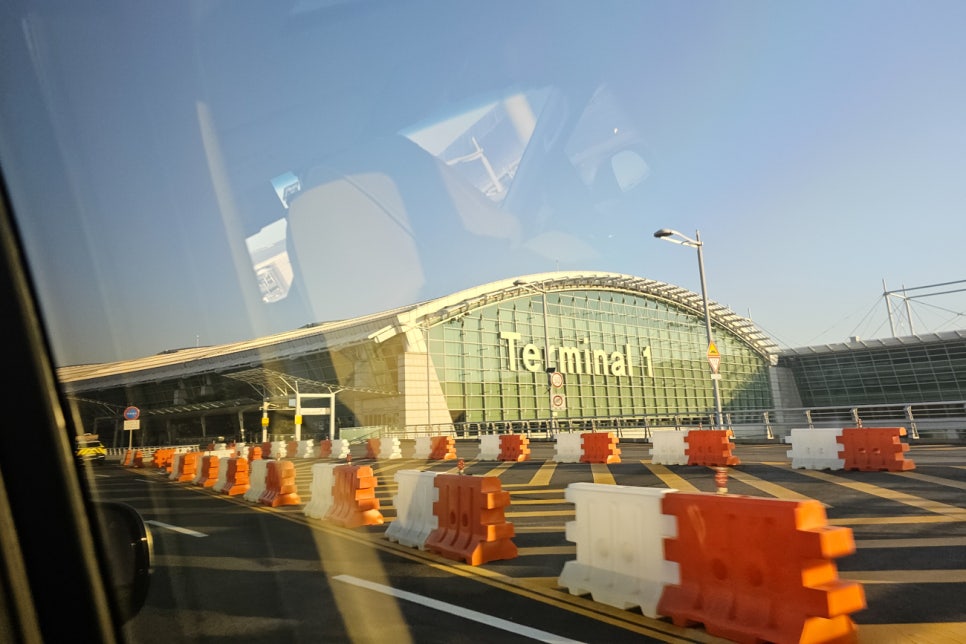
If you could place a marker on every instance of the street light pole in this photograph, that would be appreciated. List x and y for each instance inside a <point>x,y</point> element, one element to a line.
<point>678,238</point>
<point>548,368</point>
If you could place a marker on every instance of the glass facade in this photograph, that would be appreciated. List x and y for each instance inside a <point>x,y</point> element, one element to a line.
<point>930,370</point>
<point>621,354</point>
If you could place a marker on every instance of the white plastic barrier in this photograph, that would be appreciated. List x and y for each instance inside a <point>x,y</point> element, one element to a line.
<point>389,448</point>
<point>222,478</point>
<point>815,449</point>
<point>669,447</point>
<point>619,532</point>
<point>489,447</point>
<point>424,447</point>
<point>279,450</point>
<point>304,449</point>
<point>256,480</point>
<point>568,448</point>
<point>414,499</point>
<point>199,469</point>
<point>177,466</point>
<point>320,490</point>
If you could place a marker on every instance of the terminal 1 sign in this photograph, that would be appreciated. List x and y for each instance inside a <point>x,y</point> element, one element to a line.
<point>582,359</point>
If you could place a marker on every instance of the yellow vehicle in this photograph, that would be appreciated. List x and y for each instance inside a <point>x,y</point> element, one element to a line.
<point>87,447</point>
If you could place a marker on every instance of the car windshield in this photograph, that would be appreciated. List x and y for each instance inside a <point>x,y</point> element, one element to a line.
<point>332,230</point>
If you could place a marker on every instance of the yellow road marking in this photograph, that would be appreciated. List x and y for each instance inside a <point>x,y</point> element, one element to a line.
<point>499,469</point>
<point>602,474</point>
<point>932,518</point>
<point>551,513</point>
<point>777,491</point>
<point>669,478</point>
<point>520,529</point>
<point>941,633</point>
<point>524,489</point>
<point>906,576</point>
<point>934,542</point>
<point>936,480</point>
<point>537,501</point>
<point>542,477</point>
<point>893,495</point>
<point>547,550</point>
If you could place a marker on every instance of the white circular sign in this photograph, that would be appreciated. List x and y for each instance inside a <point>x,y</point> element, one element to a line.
<point>556,379</point>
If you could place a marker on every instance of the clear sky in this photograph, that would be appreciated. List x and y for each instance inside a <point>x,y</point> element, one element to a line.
<point>819,147</point>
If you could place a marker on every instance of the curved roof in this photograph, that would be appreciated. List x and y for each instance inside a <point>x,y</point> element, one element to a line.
<point>379,327</point>
<point>459,303</point>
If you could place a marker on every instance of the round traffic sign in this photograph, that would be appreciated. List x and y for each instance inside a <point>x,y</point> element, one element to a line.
<point>557,379</point>
<point>132,413</point>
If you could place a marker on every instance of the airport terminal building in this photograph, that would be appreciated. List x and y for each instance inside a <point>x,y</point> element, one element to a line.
<point>550,350</point>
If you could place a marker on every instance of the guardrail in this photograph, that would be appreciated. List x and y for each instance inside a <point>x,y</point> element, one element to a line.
<point>934,422</point>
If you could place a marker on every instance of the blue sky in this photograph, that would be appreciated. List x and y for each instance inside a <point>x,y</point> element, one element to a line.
<point>820,149</point>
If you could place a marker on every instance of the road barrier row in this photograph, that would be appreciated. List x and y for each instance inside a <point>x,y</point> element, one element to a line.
<point>749,569</point>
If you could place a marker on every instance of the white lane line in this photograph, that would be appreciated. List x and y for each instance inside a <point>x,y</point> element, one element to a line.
<point>482,618</point>
<point>174,528</point>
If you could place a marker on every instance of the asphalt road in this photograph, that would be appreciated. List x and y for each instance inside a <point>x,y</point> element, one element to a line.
<point>230,570</point>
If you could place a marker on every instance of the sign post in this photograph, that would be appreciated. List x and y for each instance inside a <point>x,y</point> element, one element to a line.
<point>132,423</point>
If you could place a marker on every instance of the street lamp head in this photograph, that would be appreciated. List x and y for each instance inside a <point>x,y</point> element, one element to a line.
<point>664,232</point>
<point>518,282</point>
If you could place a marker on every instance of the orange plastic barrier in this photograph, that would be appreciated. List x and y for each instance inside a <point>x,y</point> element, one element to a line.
<point>442,448</point>
<point>236,477</point>
<point>280,488</point>
<point>472,523</point>
<point>372,448</point>
<point>354,501</point>
<point>759,570</point>
<point>138,458</point>
<point>514,447</point>
<point>291,449</point>
<point>325,448</point>
<point>710,447</point>
<point>209,471</point>
<point>599,447</point>
<point>874,449</point>
<point>189,467</point>
<point>267,450</point>
<point>163,458</point>
<point>128,458</point>
<point>254,453</point>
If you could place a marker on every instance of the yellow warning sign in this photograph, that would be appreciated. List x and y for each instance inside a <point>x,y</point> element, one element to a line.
<point>714,358</point>
<point>713,350</point>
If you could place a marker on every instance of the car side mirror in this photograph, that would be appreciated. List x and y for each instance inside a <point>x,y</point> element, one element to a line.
<point>128,551</point>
